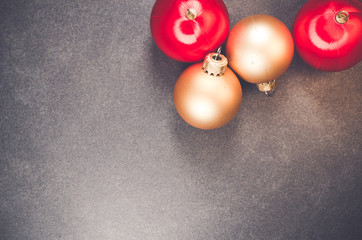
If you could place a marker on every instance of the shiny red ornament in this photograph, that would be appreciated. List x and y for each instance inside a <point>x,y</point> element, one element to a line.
<point>328,34</point>
<point>186,30</point>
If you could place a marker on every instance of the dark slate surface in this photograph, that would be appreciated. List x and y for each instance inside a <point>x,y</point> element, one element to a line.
<point>92,147</point>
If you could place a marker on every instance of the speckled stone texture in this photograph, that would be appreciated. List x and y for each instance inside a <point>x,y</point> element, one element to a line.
<point>92,147</point>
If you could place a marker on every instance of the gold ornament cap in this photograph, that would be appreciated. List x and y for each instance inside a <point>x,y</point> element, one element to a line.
<point>191,14</point>
<point>267,87</point>
<point>215,64</point>
<point>342,17</point>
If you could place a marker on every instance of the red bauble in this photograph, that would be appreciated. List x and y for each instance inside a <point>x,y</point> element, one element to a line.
<point>328,34</point>
<point>186,30</point>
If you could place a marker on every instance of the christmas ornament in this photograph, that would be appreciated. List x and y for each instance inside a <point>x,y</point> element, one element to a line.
<point>208,95</point>
<point>260,49</point>
<point>186,30</point>
<point>328,34</point>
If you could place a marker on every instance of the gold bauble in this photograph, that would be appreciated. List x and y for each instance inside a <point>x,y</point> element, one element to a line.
<point>259,48</point>
<point>208,95</point>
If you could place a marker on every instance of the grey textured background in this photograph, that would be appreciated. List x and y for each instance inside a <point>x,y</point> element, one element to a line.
<point>93,148</point>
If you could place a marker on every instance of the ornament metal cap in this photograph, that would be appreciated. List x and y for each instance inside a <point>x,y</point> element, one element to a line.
<point>342,17</point>
<point>267,87</point>
<point>215,64</point>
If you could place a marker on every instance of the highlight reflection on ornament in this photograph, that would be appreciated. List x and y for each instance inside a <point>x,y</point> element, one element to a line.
<point>208,95</point>
<point>260,49</point>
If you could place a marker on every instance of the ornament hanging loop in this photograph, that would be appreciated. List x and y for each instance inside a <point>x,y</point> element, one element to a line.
<point>218,52</point>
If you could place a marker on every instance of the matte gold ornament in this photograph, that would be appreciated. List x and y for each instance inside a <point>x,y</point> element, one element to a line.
<point>208,95</point>
<point>260,49</point>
